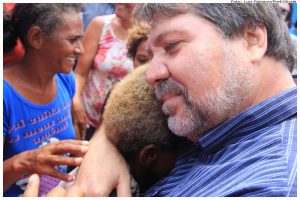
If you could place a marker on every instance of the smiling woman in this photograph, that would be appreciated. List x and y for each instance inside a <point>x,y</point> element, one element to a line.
<point>37,90</point>
<point>64,46</point>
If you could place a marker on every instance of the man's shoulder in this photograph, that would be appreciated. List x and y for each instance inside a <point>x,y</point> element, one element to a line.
<point>255,166</point>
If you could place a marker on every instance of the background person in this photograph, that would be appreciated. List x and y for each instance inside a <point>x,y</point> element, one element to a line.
<point>136,49</point>
<point>37,94</point>
<point>104,63</point>
<point>136,44</point>
<point>11,52</point>
<point>92,10</point>
<point>286,13</point>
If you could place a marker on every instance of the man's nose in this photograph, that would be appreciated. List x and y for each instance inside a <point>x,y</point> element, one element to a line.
<point>156,72</point>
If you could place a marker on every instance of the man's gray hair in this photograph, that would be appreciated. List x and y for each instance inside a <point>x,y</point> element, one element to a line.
<point>231,18</point>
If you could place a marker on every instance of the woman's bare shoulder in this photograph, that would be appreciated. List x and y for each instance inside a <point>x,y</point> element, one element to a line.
<point>97,22</point>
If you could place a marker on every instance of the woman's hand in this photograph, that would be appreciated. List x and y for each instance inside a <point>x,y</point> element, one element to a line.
<point>44,159</point>
<point>79,118</point>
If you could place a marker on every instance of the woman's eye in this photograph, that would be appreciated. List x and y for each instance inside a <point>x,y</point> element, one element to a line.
<point>74,40</point>
<point>143,61</point>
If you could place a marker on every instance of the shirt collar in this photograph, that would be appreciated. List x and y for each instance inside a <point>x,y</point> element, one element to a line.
<point>269,112</point>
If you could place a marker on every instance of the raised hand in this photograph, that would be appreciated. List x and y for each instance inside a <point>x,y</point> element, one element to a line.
<point>103,169</point>
<point>44,159</point>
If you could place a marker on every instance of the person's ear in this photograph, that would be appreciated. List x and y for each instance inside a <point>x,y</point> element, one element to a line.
<point>148,155</point>
<point>256,41</point>
<point>35,37</point>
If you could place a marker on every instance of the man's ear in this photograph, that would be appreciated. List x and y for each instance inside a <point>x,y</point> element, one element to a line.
<point>148,155</point>
<point>256,41</point>
<point>35,37</point>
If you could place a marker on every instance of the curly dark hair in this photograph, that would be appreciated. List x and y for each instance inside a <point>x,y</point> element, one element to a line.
<point>47,16</point>
<point>136,35</point>
<point>9,35</point>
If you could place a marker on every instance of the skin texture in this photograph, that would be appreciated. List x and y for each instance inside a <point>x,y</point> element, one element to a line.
<point>187,106</point>
<point>228,80</point>
<point>33,78</point>
<point>61,48</point>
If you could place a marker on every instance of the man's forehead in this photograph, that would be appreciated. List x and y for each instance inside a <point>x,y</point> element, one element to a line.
<point>175,24</point>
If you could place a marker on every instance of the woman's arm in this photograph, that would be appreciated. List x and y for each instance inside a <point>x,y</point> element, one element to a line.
<point>103,168</point>
<point>12,170</point>
<point>90,43</point>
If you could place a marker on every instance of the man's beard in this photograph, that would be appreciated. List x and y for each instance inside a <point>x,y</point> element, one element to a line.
<point>200,114</point>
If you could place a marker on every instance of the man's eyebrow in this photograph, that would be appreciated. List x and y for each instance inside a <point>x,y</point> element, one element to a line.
<point>163,35</point>
<point>159,39</point>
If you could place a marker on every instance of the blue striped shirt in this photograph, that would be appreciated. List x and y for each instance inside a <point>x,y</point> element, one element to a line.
<point>251,154</point>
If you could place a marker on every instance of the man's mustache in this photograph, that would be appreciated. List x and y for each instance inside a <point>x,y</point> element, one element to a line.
<point>170,86</point>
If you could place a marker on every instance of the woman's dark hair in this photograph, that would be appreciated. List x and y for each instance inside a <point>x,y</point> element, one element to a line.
<point>47,16</point>
<point>9,35</point>
<point>136,35</point>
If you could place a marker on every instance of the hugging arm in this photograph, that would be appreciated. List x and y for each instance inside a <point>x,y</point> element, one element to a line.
<point>103,169</point>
